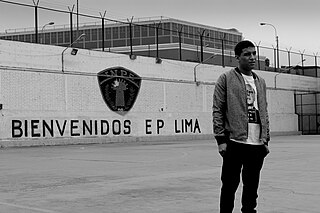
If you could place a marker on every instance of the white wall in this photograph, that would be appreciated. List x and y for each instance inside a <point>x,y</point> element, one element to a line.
<point>35,92</point>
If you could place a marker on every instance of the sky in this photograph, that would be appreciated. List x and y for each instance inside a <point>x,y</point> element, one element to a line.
<point>296,21</point>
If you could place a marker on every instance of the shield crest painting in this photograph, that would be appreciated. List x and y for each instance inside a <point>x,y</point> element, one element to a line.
<point>119,88</point>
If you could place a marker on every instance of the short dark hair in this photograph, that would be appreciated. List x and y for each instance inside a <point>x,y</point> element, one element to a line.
<point>242,45</point>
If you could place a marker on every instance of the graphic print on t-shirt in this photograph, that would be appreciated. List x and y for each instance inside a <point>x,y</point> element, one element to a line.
<point>252,111</point>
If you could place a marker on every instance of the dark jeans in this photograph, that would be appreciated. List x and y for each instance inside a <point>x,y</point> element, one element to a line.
<point>249,159</point>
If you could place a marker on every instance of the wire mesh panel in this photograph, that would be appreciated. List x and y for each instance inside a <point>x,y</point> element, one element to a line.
<point>307,108</point>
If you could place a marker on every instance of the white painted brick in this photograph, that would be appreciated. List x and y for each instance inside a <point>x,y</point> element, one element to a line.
<point>33,87</point>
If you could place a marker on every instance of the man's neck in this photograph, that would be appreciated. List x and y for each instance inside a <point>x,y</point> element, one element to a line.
<point>245,72</point>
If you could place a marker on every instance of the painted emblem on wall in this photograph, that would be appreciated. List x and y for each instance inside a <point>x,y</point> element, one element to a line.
<point>119,88</point>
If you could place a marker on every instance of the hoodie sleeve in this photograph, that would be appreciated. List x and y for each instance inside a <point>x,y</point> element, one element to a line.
<point>219,110</point>
<point>267,115</point>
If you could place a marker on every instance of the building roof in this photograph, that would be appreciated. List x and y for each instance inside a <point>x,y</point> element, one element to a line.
<point>137,21</point>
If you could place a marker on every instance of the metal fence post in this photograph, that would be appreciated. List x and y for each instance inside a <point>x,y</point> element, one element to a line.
<point>316,65</point>
<point>275,59</point>
<point>180,41</point>
<point>258,57</point>
<point>201,44</point>
<point>71,24</point>
<point>302,67</point>
<point>130,30</point>
<point>102,28</point>
<point>36,20</point>
<point>289,57</point>
<point>157,39</point>
<point>222,55</point>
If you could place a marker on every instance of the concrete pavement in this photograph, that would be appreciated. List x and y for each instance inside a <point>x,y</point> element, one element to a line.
<point>172,177</point>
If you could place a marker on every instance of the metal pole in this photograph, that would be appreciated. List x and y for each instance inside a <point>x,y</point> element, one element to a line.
<point>102,28</point>
<point>316,65</point>
<point>130,28</point>
<point>278,58</point>
<point>77,17</point>
<point>131,51</point>
<point>71,30</point>
<point>301,116</point>
<point>201,45</point>
<point>316,106</point>
<point>222,56</point>
<point>180,48</point>
<point>102,34</point>
<point>180,41</point>
<point>302,67</point>
<point>36,23</point>
<point>289,57</point>
<point>275,59</point>
<point>62,58</point>
<point>277,43</point>
<point>295,103</point>
<point>71,24</point>
<point>36,20</point>
<point>201,48</point>
<point>195,68</point>
<point>42,34</point>
<point>258,57</point>
<point>157,40</point>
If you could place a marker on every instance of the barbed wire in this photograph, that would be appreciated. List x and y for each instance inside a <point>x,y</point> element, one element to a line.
<point>207,37</point>
<point>155,25</point>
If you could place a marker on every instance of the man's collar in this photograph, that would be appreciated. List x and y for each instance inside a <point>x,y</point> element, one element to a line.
<point>253,74</point>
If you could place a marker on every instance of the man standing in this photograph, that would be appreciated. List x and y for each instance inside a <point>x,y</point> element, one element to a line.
<point>241,128</point>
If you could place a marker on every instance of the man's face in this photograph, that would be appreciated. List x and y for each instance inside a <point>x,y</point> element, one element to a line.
<point>247,58</point>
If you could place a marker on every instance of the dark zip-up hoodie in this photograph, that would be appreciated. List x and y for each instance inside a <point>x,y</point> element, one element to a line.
<point>230,110</point>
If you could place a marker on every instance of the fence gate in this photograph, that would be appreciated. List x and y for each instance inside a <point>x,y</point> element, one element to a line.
<point>307,106</point>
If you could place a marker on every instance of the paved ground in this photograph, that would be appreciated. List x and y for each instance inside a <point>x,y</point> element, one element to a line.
<point>179,177</point>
